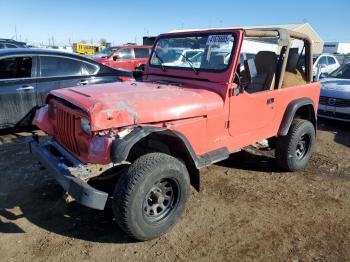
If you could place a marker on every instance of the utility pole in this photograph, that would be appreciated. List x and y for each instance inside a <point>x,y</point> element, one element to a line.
<point>53,41</point>
<point>16,32</point>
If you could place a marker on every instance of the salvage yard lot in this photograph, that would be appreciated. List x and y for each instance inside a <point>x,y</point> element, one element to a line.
<point>247,210</point>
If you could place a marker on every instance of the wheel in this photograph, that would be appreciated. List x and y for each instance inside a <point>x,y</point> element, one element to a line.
<point>151,195</point>
<point>294,150</point>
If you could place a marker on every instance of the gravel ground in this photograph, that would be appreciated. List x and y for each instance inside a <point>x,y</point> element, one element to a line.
<point>247,211</point>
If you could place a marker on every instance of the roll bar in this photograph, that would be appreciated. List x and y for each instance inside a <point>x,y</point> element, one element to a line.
<point>285,37</point>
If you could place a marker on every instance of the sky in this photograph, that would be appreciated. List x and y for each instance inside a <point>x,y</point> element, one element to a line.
<point>119,22</point>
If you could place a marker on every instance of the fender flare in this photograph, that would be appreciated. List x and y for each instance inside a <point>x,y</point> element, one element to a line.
<point>289,114</point>
<point>120,148</point>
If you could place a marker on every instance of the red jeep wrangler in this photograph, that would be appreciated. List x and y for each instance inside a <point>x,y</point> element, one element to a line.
<point>147,140</point>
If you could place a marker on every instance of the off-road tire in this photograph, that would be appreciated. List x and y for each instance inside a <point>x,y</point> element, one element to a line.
<point>133,202</point>
<point>288,153</point>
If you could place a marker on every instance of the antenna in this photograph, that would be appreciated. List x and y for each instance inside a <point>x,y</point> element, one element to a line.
<point>16,32</point>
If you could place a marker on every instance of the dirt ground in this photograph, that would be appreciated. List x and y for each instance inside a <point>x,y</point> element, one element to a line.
<point>246,211</point>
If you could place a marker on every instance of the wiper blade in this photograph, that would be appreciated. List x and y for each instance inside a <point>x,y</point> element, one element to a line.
<point>190,63</point>
<point>160,60</point>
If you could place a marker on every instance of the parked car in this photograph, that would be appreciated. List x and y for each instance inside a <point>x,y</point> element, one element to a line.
<point>324,63</point>
<point>147,140</point>
<point>126,57</point>
<point>27,75</point>
<point>185,58</point>
<point>335,94</point>
<point>9,43</point>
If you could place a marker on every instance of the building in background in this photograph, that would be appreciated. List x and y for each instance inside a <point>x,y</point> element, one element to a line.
<point>304,28</point>
<point>148,40</point>
<point>336,48</point>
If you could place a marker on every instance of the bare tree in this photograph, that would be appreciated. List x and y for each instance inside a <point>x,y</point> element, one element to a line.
<point>103,41</point>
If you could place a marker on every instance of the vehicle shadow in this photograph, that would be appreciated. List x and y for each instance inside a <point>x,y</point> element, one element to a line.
<point>10,134</point>
<point>340,129</point>
<point>28,191</point>
<point>9,227</point>
<point>252,160</point>
<point>46,208</point>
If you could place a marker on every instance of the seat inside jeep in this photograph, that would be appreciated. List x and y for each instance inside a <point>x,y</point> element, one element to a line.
<point>294,74</point>
<point>216,61</point>
<point>263,75</point>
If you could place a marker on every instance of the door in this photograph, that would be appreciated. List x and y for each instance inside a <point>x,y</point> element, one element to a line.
<point>123,58</point>
<point>251,115</point>
<point>17,90</point>
<point>60,72</point>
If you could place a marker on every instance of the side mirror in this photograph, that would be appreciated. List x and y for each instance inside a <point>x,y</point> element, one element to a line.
<point>140,67</point>
<point>240,88</point>
<point>116,57</point>
<point>323,66</point>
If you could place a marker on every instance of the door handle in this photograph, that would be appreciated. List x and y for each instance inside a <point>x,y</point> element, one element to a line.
<point>83,82</point>
<point>270,101</point>
<point>25,88</point>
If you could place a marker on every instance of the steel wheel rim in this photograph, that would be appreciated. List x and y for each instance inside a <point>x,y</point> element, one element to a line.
<point>303,146</point>
<point>161,199</point>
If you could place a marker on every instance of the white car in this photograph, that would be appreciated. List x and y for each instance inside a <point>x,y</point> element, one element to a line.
<point>193,55</point>
<point>324,63</point>
<point>335,95</point>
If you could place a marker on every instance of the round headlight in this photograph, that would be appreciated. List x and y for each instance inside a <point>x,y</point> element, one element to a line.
<point>85,125</point>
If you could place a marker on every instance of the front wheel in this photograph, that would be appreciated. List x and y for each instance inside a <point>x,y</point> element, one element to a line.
<point>151,195</point>
<point>294,150</point>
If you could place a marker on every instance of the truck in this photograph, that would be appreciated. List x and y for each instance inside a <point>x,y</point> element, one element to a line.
<point>138,146</point>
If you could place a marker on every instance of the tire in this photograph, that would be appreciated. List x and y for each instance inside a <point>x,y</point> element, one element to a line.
<point>151,195</point>
<point>294,150</point>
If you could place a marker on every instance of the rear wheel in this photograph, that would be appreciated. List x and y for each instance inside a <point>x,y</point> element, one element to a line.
<point>294,150</point>
<point>151,195</point>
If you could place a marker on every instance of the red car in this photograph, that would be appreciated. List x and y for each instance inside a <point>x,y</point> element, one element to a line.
<point>126,57</point>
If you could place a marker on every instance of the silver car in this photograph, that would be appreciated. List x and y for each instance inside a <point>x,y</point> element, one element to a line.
<point>335,94</point>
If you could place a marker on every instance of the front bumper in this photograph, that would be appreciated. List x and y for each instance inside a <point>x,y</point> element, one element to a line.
<point>334,112</point>
<point>75,187</point>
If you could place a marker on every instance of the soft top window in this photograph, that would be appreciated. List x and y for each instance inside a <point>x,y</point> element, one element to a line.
<point>199,52</point>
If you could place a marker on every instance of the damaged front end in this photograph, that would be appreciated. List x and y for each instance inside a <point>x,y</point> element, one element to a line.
<point>75,153</point>
<point>70,173</point>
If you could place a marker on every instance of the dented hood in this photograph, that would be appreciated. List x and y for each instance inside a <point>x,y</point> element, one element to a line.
<point>129,103</point>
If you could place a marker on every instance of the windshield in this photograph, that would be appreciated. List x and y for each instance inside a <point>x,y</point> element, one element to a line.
<point>106,52</point>
<point>342,72</point>
<point>202,52</point>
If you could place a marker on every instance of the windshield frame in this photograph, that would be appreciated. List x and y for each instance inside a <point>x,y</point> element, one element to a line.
<point>195,34</point>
